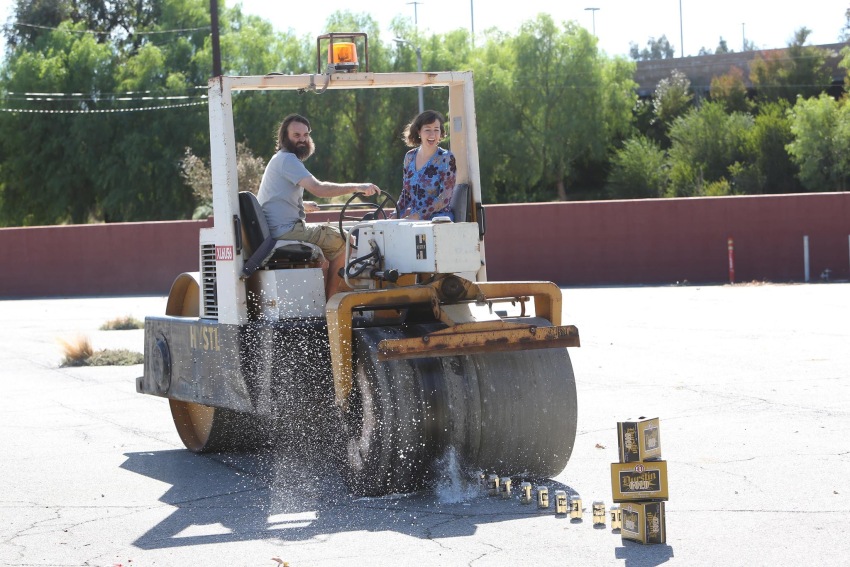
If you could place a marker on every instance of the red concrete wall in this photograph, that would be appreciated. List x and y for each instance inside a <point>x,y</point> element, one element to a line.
<point>670,240</point>
<point>97,259</point>
<point>657,241</point>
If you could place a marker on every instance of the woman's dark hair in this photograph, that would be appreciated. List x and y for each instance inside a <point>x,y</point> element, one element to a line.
<point>284,126</point>
<point>411,135</point>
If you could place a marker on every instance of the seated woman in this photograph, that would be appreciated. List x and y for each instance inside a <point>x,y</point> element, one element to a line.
<point>429,170</point>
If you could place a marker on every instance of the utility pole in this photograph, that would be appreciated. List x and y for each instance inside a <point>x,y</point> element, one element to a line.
<point>593,13</point>
<point>401,41</point>
<point>681,31</point>
<point>216,48</point>
<point>415,13</point>
<point>419,68</point>
<point>743,36</point>
<point>472,21</point>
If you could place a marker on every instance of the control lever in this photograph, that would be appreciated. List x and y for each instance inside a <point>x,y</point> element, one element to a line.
<point>386,275</point>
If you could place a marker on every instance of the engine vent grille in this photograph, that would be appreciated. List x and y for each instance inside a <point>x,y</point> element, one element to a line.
<point>208,281</point>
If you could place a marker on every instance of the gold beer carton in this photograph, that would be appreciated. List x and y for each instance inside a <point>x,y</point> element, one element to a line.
<point>644,522</point>
<point>631,482</point>
<point>639,440</point>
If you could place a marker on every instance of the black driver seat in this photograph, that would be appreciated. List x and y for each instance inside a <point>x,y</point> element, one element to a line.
<point>266,251</point>
<point>460,202</point>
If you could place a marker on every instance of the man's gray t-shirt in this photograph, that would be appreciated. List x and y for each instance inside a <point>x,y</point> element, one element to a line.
<point>280,195</point>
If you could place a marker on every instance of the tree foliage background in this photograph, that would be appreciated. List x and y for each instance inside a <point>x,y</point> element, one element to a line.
<point>103,113</point>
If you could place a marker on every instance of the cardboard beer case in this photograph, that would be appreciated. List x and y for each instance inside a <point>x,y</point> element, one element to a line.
<point>641,481</point>
<point>643,522</point>
<point>639,440</point>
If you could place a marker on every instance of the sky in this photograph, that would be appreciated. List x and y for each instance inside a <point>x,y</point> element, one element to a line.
<point>617,23</point>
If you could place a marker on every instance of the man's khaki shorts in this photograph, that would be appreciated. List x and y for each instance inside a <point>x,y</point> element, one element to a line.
<point>324,236</point>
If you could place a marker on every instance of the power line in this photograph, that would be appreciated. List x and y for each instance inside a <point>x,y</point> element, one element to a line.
<point>102,111</point>
<point>93,32</point>
<point>121,93</point>
<point>75,97</point>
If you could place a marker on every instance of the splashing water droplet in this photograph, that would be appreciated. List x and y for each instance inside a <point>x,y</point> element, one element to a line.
<point>453,484</point>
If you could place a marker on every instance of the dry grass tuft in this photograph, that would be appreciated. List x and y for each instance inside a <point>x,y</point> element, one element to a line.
<point>116,357</point>
<point>79,352</point>
<point>125,323</point>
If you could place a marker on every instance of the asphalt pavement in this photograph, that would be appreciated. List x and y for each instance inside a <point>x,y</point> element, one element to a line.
<point>750,383</point>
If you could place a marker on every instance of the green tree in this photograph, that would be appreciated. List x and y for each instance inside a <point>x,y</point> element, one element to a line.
<point>133,102</point>
<point>672,98</point>
<point>353,128</point>
<point>257,114</point>
<point>821,145</point>
<point>655,49</point>
<point>731,90</point>
<point>799,70</point>
<point>557,98</point>
<point>107,21</point>
<point>767,142</point>
<point>47,152</point>
<point>639,170</point>
<point>845,64</point>
<point>133,80</point>
<point>139,178</point>
<point>766,166</point>
<point>500,162</point>
<point>706,142</point>
<point>722,48</point>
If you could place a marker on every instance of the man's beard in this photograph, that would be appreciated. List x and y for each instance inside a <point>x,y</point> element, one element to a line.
<point>302,150</point>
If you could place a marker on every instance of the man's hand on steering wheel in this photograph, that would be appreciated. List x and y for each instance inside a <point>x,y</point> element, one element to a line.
<point>369,189</point>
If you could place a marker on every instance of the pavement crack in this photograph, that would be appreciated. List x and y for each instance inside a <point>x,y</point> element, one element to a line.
<point>495,549</point>
<point>180,503</point>
<point>429,531</point>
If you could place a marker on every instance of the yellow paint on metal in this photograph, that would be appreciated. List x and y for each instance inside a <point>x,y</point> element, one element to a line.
<point>339,314</point>
<point>193,421</point>
<point>469,341</point>
<point>547,296</point>
<point>459,338</point>
<point>184,297</point>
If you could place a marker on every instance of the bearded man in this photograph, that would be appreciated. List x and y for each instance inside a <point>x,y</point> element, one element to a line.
<point>282,197</point>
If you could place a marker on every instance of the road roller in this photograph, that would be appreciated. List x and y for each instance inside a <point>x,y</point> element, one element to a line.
<point>422,356</point>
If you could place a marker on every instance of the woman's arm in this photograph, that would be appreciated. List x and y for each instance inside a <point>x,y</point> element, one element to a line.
<point>404,199</point>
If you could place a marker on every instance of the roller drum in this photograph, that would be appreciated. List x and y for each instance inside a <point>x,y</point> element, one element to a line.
<point>202,428</point>
<point>514,412</point>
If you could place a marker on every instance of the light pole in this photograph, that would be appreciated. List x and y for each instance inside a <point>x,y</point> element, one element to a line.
<point>472,22</point>
<point>415,15</point>
<point>681,31</point>
<point>743,36</point>
<point>593,18</point>
<point>401,41</point>
<point>216,48</point>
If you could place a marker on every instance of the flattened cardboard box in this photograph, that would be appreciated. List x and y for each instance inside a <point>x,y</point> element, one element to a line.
<point>644,522</point>
<point>631,482</point>
<point>639,440</point>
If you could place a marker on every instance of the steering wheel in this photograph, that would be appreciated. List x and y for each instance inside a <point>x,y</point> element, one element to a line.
<point>376,210</point>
